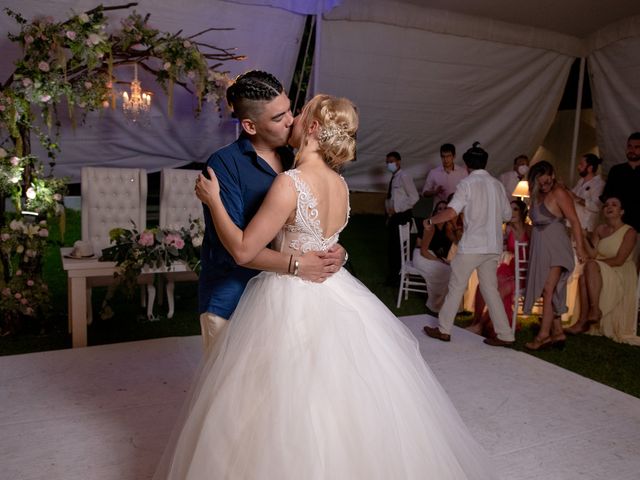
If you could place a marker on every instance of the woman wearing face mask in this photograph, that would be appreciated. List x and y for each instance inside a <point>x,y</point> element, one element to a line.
<point>430,258</point>
<point>551,254</point>
<point>519,172</point>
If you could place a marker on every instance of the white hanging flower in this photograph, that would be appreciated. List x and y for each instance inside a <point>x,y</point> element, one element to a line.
<point>31,193</point>
<point>83,17</point>
<point>94,39</point>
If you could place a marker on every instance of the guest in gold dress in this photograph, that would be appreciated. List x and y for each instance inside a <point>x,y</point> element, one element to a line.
<point>608,284</point>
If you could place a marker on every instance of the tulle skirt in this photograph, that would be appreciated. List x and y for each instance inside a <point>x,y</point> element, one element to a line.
<point>318,381</point>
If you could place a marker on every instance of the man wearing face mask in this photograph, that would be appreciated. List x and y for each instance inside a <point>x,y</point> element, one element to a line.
<point>511,178</point>
<point>586,193</point>
<point>402,195</point>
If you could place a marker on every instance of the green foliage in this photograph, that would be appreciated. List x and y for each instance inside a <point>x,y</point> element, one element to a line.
<point>23,293</point>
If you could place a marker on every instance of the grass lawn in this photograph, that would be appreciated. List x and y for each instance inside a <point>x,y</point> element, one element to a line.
<point>597,358</point>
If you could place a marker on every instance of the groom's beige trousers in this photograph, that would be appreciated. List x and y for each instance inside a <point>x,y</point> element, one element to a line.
<point>211,326</point>
<point>462,266</point>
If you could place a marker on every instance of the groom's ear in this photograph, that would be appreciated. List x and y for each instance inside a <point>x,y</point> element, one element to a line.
<point>248,126</point>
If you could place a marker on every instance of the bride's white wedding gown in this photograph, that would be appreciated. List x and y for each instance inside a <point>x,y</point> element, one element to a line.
<point>317,381</point>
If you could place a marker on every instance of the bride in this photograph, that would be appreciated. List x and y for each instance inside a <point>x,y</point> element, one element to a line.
<point>314,380</point>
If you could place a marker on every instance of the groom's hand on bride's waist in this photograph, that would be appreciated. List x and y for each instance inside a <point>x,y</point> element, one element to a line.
<point>318,266</point>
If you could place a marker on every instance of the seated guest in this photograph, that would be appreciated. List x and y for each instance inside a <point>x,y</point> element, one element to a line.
<point>430,258</point>
<point>609,280</point>
<point>518,230</point>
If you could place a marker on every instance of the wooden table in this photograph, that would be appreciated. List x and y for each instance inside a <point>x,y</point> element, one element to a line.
<point>78,271</point>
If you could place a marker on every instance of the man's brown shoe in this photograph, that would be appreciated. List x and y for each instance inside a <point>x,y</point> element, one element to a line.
<point>434,332</point>
<point>496,342</point>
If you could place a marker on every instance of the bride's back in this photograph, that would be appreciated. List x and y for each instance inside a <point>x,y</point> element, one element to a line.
<point>321,212</point>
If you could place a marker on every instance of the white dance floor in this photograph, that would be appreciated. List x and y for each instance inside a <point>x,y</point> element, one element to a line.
<point>105,412</point>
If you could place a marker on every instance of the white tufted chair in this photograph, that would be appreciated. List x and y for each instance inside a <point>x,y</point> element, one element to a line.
<point>113,197</point>
<point>178,203</point>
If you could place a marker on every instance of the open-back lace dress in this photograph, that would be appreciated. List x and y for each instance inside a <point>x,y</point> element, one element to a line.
<point>317,381</point>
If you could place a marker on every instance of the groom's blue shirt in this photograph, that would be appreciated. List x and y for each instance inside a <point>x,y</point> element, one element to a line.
<point>244,180</point>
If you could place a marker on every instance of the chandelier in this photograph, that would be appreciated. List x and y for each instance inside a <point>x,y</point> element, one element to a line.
<point>136,105</point>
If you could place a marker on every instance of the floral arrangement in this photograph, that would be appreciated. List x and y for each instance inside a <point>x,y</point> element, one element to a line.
<point>71,67</point>
<point>22,291</point>
<point>74,61</point>
<point>133,250</point>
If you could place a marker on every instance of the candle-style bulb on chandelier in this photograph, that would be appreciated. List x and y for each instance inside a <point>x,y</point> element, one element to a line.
<point>138,103</point>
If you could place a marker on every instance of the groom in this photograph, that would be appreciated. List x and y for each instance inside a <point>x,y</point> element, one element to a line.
<point>245,170</point>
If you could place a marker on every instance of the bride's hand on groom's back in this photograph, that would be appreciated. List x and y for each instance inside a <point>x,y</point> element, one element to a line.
<point>318,266</point>
<point>207,189</point>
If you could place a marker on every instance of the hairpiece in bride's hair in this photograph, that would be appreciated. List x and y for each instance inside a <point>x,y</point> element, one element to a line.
<point>331,133</point>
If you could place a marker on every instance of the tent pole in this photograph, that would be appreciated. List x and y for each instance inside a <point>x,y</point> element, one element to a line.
<point>316,51</point>
<point>576,122</point>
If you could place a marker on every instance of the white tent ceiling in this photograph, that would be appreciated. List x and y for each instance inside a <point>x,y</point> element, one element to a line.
<point>433,37</point>
<point>578,18</point>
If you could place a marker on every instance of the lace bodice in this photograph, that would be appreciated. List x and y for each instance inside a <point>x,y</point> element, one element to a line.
<point>306,234</point>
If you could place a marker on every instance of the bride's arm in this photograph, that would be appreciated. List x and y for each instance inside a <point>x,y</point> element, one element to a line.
<point>245,245</point>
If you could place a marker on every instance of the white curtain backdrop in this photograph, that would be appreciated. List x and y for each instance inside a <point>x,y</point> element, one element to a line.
<point>417,89</point>
<point>268,36</point>
<point>615,81</point>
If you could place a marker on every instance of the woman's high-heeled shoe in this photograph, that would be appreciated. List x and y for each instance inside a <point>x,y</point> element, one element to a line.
<point>539,343</point>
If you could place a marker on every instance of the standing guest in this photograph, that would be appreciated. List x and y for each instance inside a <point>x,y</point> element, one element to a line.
<point>586,193</point>
<point>608,284</point>
<point>511,178</point>
<point>483,200</point>
<point>623,182</point>
<point>246,169</point>
<point>402,195</point>
<point>430,258</point>
<point>443,180</point>
<point>551,254</point>
<point>518,230</point>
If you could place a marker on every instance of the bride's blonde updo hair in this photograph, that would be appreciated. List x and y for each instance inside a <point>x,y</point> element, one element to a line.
<point>338,123</point>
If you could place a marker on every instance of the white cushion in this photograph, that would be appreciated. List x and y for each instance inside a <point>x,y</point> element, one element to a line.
<point>111,198</point>
<point>178,201</point>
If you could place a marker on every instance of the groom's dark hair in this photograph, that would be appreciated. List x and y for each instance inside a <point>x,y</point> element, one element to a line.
<point>250,90</point>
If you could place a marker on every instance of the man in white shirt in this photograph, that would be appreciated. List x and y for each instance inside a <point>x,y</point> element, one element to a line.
<point>402,195</point>
<point>443,180</point>
<point>586,193</point>
<point>484,202</point>
<point>511,178</point>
